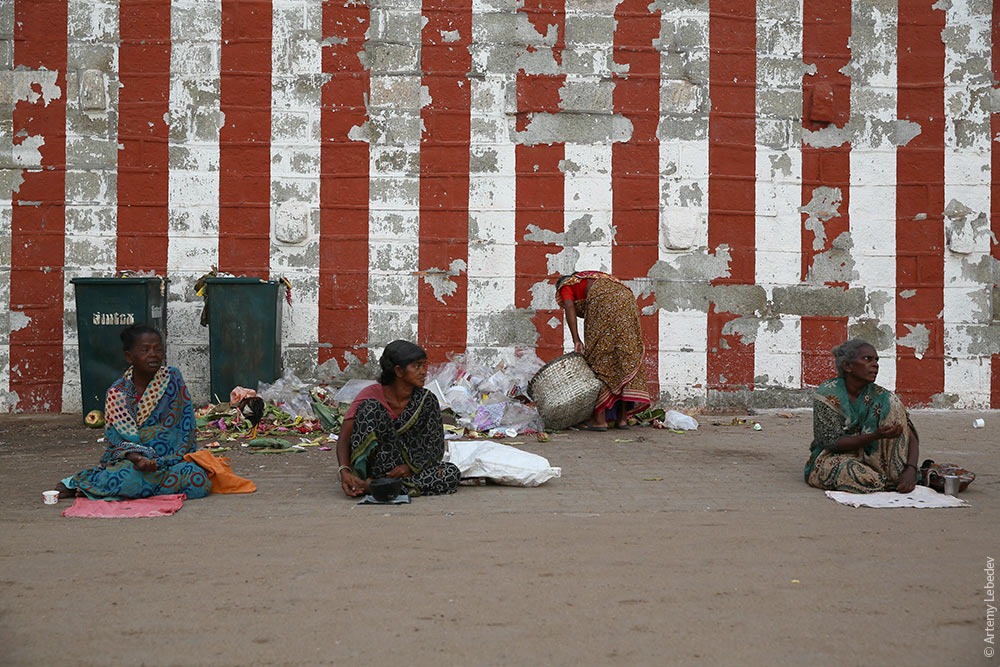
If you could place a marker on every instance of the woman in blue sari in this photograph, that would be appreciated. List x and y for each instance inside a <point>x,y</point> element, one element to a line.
<point>149,426</point>
<point>863,439</point>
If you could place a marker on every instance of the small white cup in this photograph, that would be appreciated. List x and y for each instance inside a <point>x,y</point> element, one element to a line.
<point>979,423</point>
<point>50,497</point>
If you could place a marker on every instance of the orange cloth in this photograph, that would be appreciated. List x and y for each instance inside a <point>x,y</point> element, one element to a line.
<point>223,479</point>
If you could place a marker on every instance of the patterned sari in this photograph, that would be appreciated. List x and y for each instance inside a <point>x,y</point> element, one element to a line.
<point>380,443</point>
<point>612,337</point>
<point>875,467</point>
<point>159,425</point>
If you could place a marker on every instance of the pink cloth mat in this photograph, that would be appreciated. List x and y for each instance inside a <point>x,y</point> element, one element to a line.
<point>126,509</point>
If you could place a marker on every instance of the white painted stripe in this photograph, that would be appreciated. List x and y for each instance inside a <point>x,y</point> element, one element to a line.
<point>491,217</point>
<point>872,208</point>
<point>683,333</point>
<point>778,262</point>
<point>7,400</point>
<point>193,194</point>
<point>967,95</point>
<point>394,167</point>
<point>588,199</point>
<point>296,94</point>
<point>91,166</point>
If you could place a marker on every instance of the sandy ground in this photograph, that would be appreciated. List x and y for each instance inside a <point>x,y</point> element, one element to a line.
<point>702,548</point>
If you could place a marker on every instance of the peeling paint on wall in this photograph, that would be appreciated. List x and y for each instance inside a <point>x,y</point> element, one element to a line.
<point>552,128</point>
<point>835,265</point>
<point>31,86</point>
<point>918,338</point>
<point>439,281</point>
<point>825,204</point>
<point>852,275</point>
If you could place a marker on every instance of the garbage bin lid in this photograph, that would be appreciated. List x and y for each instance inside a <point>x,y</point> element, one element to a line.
<point>119,281</point>
<point>241,280</point>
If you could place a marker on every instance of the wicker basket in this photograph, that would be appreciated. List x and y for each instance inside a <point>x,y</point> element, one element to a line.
<point>565,391</point>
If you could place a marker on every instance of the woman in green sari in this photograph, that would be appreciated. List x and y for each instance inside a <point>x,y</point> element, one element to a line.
<point>863,439</point>
<point>393,429</point>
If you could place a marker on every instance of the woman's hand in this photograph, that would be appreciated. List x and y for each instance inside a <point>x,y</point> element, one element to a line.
<point>889,431</point>
<point>579,347</point>
<point>400,471</point>
<point>907,480</point>
<point>142,463</point>
<point>352,485</point>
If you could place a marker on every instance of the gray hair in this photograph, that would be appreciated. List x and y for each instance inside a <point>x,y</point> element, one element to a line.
<point>847,352</point>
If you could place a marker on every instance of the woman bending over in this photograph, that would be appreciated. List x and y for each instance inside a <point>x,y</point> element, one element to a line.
<point>611,343</point>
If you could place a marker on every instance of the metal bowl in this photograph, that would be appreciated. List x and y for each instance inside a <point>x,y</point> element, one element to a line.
<point>385,488</point>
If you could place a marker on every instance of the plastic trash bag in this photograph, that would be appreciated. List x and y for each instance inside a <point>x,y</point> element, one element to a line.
<point>679,421</point>
<point>445,374</point>
<point>499,463</point>
<point>522,418</point>
<point>499,382</point>
<point>350,391</point>
<point>435,388</point>
<point>524,365</point>
<point>488,416</point>
<point>288,393</point>
<point>461,401</point>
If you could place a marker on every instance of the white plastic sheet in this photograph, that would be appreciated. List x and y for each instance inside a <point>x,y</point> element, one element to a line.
<point>679,421</point>
<point>288,393</point>
<point>499,463</point>
<point>349,391</point>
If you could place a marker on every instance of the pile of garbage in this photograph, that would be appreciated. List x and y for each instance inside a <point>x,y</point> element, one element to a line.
<point>477,401</point>
<point>291,408</point>
<point>483,401</point>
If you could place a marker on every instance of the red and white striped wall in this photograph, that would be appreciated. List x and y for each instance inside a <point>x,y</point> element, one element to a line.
<point>770,177</point>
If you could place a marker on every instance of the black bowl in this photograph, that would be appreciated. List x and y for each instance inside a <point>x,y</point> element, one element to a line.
<point>385,488</point>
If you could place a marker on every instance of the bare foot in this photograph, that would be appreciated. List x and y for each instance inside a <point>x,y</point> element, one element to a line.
<point>65,492</point>
<point>597,423</point>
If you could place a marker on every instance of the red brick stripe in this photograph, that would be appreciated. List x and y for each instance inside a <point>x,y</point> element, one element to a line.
<point>540,184</point>
<point>444,172</point>
<point>38,223</point>
<point>826,29</point>
<point>343,242</point>
<point>143,102</point>
<point>245,139</point>
<point>995,197</point>
<point>920,192</point>
<point>635,164</point>
<point>732,175</point>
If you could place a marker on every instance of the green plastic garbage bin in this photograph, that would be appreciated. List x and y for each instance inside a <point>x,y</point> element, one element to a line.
<point>244,333</point>
<point>105,306</point>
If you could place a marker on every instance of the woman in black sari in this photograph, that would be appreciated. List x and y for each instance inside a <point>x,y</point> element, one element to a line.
<point>393,429</point>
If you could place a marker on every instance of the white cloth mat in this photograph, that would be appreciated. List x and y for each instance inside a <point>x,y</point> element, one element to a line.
<point>920,496</point>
